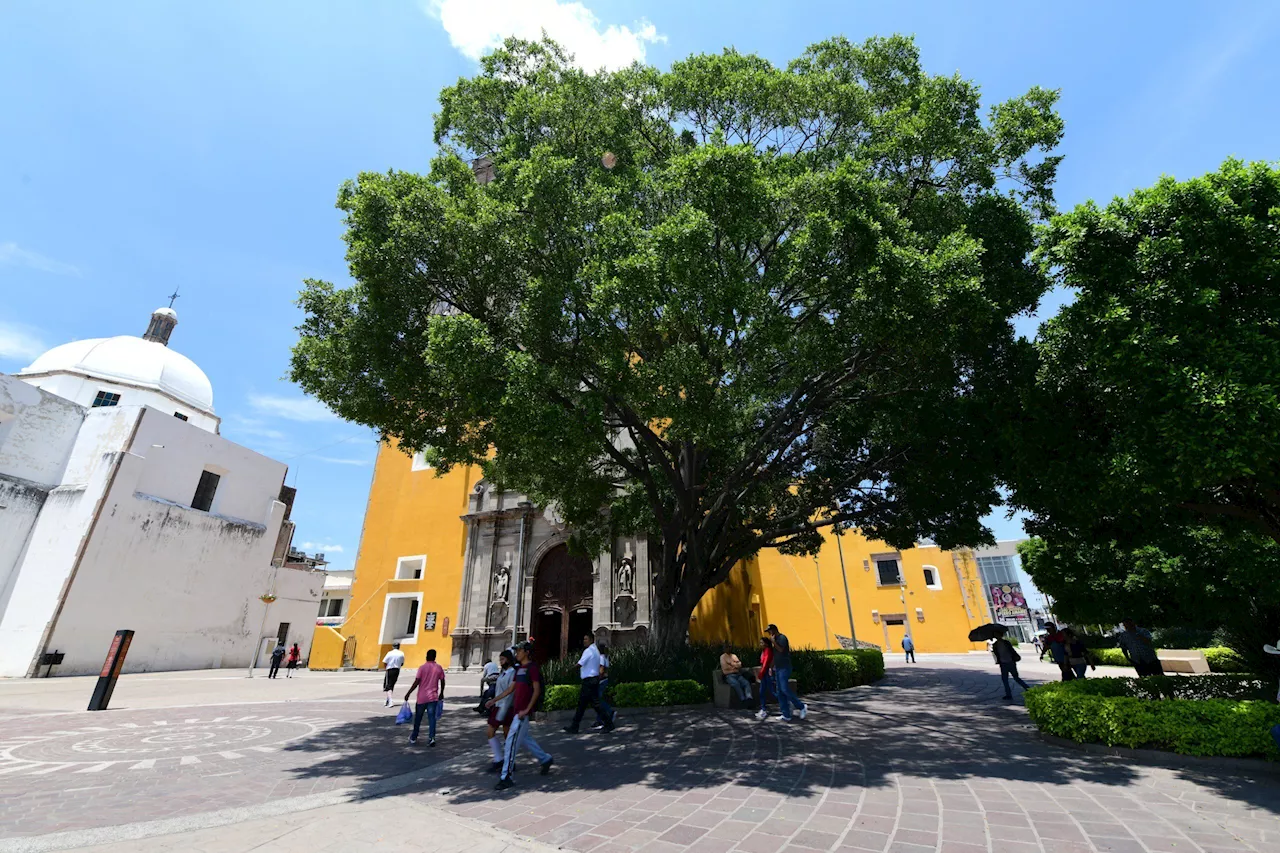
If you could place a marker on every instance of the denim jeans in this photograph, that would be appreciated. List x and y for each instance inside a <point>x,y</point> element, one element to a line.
<point>519,736</point>
<point>432,711</point>
<point>785,697</point>
<point>740,686</point>
<point>1275,734</point>
<point>605,707</point>
<point>768,687</point>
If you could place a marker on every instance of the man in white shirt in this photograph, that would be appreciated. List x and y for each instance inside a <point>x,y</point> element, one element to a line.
<point>393,661</point>
<point>589,690</point>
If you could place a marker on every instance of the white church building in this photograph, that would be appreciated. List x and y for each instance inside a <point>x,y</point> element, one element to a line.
<point>121,507</point>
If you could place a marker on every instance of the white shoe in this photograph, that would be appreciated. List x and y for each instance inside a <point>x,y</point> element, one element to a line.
<point>804,711</point>
<point>387,704</point>
<point>760,715</point>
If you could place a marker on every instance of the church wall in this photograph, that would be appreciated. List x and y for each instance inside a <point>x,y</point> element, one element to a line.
<point>82,390</point>
<point>410,513</point>
<point>37,432</point>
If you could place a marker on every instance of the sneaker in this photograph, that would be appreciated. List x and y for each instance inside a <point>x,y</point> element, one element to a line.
<point>783,719</point>
<point>572,730</point>
<point>1008,698</point>
<point>387,704</point>
<point>804,711</point>
<point>607,729</point>
<point>412,740</point>
<point>762,715</point>
<point>546,766</point>
<point>503,784</point>
<point>431,742</point>
<point>495,767</point>
<point>597,725</point>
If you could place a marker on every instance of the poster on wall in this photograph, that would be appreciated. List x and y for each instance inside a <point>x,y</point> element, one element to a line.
<point>1008,603</point>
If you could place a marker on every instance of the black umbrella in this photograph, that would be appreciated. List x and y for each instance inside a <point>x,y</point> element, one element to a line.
<point>990,631</point>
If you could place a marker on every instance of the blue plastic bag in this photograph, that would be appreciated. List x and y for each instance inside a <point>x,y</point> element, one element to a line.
<point>405,715</point>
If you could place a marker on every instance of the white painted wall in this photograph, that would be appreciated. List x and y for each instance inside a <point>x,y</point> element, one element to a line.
<point>82,390</point>
<point>37,432</point>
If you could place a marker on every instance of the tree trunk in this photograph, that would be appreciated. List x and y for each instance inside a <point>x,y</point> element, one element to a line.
<point>670,620</point>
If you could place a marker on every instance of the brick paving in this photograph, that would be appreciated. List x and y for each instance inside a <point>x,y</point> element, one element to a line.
<point>929,760</point>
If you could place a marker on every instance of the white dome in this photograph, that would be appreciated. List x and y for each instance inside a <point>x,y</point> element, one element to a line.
<point>131,361</point>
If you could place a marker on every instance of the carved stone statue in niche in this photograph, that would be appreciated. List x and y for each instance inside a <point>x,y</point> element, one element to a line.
<point>624,610</point>
<point>626,576</point>
<point>501,581</point>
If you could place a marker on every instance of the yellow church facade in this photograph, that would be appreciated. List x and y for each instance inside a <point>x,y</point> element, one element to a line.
<point>448,563</point>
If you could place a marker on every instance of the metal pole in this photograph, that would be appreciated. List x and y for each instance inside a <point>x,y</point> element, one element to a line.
<point>845,577</point>
<point>822,604</point>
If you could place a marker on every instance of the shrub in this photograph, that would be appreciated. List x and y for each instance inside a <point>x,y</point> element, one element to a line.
<point>1096,711</point>
<point>813,669</point>
<point>647,694</point>
<point>1220,659</point>
<point>1169,687</point>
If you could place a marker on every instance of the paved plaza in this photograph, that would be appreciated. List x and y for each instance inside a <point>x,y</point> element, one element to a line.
<point>930,759</point>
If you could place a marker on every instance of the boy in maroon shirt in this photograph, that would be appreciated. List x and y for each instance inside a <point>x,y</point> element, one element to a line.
<point>528,689</point>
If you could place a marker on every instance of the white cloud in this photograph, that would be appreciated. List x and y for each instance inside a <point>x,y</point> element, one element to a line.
<point>19,342</point>
<point>474,29</point>
<point>14,255</point>
<point>254,427</point>
<point>324,548</point>
<point>303,409</point>
<point>334,460</point>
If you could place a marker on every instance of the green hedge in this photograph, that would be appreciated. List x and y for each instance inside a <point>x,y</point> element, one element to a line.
<point>648,694</point>
<point>1097,711</point>
<point>1220,659</point>
<point>1170,687</point>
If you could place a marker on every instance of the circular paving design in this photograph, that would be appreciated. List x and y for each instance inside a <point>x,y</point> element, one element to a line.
<point>143,746</point>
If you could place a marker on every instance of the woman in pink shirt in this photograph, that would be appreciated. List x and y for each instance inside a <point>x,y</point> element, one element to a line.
<point>430,684</point>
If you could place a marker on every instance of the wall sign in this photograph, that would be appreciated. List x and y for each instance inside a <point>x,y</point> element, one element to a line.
<point>430,622</point>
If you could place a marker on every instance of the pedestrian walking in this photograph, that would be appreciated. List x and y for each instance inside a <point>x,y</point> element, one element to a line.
<point>1138,647</point>
<point>909,648</point>
<point>609,716</point>
<point>782,672</point>
<point>393,660</point>
<point>528,690</point>
<point>1078,657</point>
<point>488,680</point>
<point>501,707</point>
<point>731,669</point>
<point>295,654</point>
<point>768,683</point>
<point>277,657</point>
<point>1007,657</point>
<point>430,700</point>
<point>1057,643</point>
<point>589,686</point>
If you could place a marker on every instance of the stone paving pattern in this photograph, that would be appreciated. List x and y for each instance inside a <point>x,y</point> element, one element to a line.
<point>931,759</point>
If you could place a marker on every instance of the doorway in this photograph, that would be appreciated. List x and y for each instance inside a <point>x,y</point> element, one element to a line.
<point>562,600</point>
<point>895,628</point>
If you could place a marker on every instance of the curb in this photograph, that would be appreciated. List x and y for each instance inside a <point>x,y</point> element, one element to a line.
<point>566,714</point>
<point>1159,758</point>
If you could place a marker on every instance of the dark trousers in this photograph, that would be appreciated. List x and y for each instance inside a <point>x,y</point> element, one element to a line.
<point>275,667</point>
<point>389,679</point>
<point>911,655</point>
<point>605,718</point>
<point>588,697</point>
<point>1007,671</point>
<point>1152,668</point>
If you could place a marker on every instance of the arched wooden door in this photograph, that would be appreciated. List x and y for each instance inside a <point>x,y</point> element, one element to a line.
<point>562,602</point>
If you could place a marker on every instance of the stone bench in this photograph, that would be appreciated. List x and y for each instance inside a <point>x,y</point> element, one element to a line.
<point>726,697</point>
<point>1190,661</point>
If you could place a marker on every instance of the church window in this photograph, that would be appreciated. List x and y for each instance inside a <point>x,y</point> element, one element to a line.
<point>888,570</point>
<point>106,398</point>
<point>208,485</point>
<point>932,578</point>
<point>180,416</point>
<point>331,607</point>
<point>410,568</point>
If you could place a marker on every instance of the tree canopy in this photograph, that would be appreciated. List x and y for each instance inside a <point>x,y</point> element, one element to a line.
<point>724,305</point>
<point>1155,408</point>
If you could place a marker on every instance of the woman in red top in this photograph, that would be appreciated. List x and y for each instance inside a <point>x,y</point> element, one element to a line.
<point>765,675</point>
<point>294,654</point>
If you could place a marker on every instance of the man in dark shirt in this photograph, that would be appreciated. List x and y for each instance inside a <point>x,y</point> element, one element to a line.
<point>527,690</point>
<point>782,668</point>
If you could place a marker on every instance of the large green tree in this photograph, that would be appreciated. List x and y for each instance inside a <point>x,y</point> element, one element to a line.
<point>724,305</point>
<point>1156,407</point>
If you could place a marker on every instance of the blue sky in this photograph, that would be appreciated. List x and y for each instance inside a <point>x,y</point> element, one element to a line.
<point>148,145</point>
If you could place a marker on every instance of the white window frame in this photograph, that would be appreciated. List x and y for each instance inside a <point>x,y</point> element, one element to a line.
<point>400,565</point>
<point>876,559</point>
<point>386,613</point>
<point>420,461</point>
<point>937,576</point>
